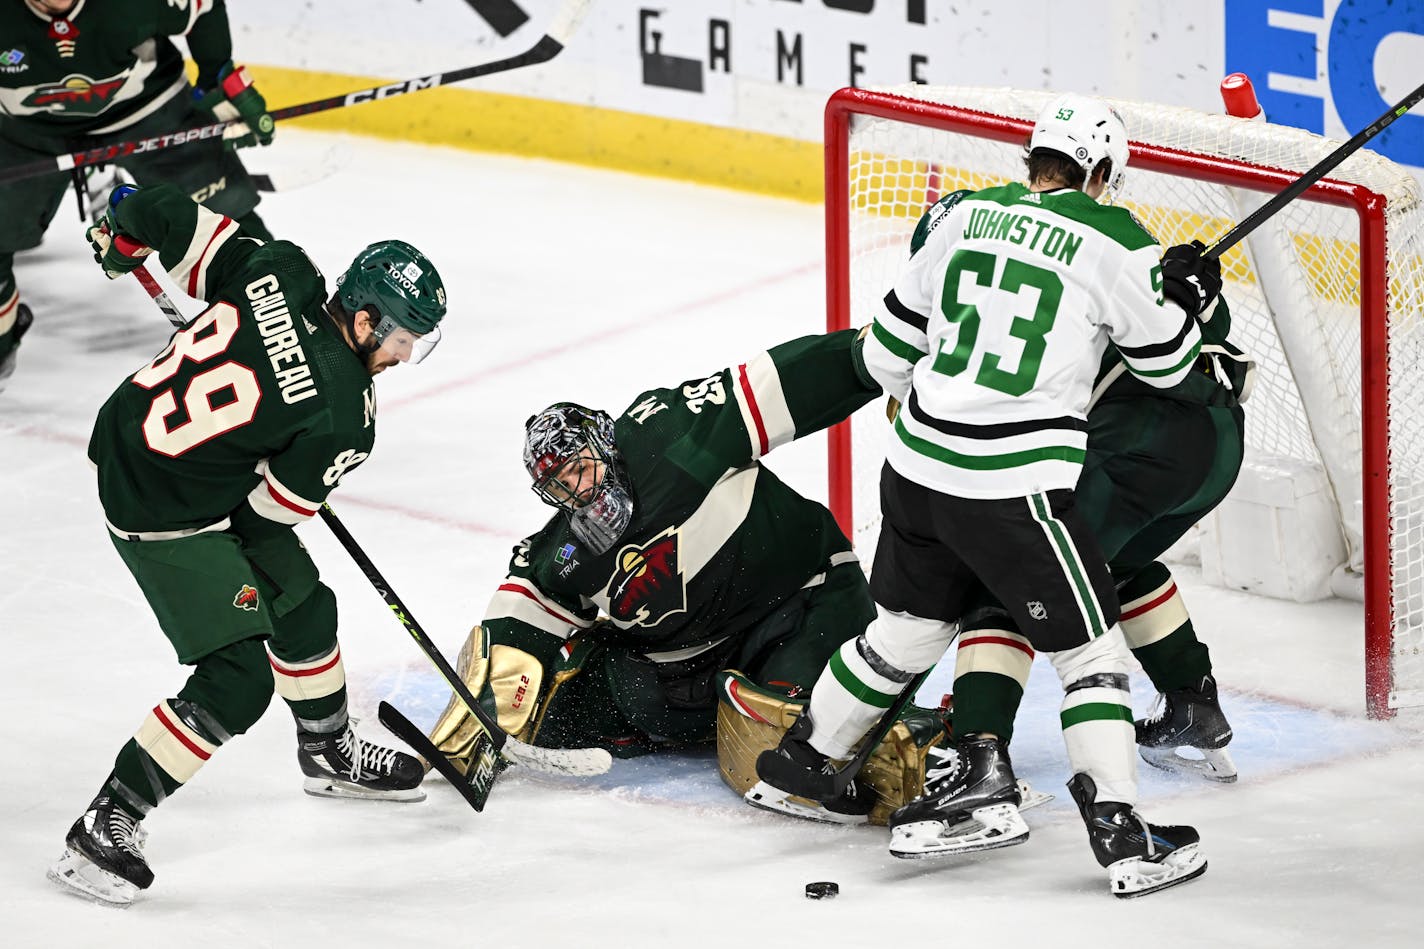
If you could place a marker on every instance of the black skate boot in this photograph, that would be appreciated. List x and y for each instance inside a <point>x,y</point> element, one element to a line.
<point>1188,718</point>
<point>23,319</point>
<point>798,780</point>
<point>343,764</point>
<point>102,858</point>
<point>970,803</point>
<point>1141,858</point>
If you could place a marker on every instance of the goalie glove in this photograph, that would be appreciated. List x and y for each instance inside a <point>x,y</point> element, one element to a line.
<point>114,250</point>
<point>1190,278</point>
<point>235,99</point>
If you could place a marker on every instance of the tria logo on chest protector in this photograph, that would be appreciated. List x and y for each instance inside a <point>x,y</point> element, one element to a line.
<point>647,584</point>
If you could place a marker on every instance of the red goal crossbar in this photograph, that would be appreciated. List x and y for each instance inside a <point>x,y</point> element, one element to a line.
<point>1370,207</point>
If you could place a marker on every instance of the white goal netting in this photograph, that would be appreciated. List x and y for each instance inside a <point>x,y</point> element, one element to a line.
<point>1329,396</point>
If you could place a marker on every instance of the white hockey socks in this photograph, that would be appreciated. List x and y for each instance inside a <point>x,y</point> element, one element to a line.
<point>1097,715</point>
<point>864,677</point>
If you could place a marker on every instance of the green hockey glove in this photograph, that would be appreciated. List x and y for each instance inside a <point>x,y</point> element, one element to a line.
<point>115,251</point>
<point>236,99</point>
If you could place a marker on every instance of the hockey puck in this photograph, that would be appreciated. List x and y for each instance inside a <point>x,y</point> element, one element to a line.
<point>821,891</point>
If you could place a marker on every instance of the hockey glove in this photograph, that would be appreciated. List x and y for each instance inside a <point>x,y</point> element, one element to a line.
<point>236,99</point>
<point>1190,278</point>
<point>115,251</point>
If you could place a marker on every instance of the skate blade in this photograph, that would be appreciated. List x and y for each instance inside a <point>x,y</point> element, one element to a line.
<point>1029,798</point>
<point>1132,878</point>
<point>1215,764</point>
<point>767,798</point>
<point>82,877</point>
<point>986,828</point>
<point>330,787</point>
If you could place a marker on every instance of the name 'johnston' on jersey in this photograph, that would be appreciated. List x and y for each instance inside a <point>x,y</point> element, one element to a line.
<point>995,327</point>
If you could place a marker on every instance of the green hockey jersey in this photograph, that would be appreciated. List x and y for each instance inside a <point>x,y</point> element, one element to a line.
<point>258,399</point>
<point>717,541</point>
<point>104,65</point>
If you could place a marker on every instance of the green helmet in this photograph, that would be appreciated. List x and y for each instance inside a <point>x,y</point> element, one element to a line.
<point>399,282</point>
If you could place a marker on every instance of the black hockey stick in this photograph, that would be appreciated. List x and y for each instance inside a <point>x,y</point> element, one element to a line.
<point>823,786</point>
<point>845,774</point>
<point>1298,187</point>
<point>571,761</point>
<point>485,763</point>
<point>548,46</point>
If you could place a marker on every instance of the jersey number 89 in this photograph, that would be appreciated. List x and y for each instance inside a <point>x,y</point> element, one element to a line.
<point>214,401</point>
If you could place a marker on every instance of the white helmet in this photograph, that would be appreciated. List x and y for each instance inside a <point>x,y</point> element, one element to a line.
<point>1085,130</point>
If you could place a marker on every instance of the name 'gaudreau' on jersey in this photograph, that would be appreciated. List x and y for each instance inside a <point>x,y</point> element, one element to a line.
<point>1000,320</point>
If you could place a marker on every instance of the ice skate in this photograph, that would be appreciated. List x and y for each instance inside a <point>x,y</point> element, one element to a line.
<point>1188,734</point>
<point>102,859</point>
<point>23,319</point>
<point>1140,858</point>
<point>797,780</point>
<point>971,803</point>
<point>343,764</point>
<point>939,760</point>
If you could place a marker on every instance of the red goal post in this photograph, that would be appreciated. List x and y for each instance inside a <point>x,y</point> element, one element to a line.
<point>1343,261</point>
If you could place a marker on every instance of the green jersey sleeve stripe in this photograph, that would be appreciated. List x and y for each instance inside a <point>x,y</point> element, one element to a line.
<point>896,345</point>
<point>1160,349</point>
<point>1170,370</point>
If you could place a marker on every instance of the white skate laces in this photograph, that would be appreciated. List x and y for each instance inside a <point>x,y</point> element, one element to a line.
<point>948,765</point>
<point>1157,711</point>
<point>364,755</point>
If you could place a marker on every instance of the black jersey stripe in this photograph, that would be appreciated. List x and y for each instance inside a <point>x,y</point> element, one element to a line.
<point>900,311</point>
<point>998,430</point>
<point>1160,349</point>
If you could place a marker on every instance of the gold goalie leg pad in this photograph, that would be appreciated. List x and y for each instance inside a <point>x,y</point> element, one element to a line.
<point>514,676</point>
<point>751,719</point>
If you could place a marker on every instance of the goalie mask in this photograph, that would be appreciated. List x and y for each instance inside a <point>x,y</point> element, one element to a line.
<point>570,454</point>
<point>1085,130</point>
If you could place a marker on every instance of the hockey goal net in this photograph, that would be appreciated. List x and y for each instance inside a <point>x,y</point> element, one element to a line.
<point>1327,296</point>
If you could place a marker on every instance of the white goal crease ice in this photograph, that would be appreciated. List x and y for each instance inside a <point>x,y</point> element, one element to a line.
<point>1327,296</point>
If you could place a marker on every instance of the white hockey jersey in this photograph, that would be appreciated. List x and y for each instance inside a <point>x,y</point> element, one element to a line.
<point>994,330</point>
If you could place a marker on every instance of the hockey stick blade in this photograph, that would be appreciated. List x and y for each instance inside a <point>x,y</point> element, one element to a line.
<point>548,46</point>
<point>578,762</point>
<point>486,763</point>
<point>574,762</point>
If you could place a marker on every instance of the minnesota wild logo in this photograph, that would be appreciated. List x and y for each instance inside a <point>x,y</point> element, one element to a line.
<point>246,598</point>
<point>647,584</point>
<point>75,95</point>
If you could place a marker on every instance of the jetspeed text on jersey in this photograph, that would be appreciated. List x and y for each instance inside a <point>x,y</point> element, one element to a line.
<point>283,345</point>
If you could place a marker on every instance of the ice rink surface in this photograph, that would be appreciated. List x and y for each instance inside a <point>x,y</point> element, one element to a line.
<point>570,283</point>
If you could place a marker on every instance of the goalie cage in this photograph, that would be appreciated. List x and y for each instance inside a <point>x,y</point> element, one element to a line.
<point>1337,390</point>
